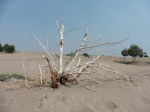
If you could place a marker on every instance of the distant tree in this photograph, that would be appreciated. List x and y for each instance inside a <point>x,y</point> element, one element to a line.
<point>145,54</point>
<point>5,47</point>
<point>134,51</point>
<point>11,49</point>
<point>124,53</point>
<point>1,48</point>
<point>141,55</point>
<point>8,48</point>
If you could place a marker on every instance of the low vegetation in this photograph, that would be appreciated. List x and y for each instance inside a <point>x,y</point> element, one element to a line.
<point>5,77</point>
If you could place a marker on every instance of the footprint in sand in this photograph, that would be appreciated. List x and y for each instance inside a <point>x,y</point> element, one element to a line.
<point>110,105</point>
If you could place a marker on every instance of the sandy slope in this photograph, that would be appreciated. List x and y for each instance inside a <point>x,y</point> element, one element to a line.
<point>116,96</point>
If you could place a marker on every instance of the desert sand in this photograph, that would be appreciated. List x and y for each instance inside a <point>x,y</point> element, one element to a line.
<point>109,96</point>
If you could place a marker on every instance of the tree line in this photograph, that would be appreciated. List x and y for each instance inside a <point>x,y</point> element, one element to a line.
<point>134,51</point>
<point>6,48</point>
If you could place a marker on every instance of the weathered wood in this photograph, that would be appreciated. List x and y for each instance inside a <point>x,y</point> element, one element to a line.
<point>53,74</point>
<point>61,31</point>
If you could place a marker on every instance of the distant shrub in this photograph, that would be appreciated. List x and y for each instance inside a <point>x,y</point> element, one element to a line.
<point>146,56</point>
<point>141,55</point>
<point>86,55</point>
<point>70,54</point>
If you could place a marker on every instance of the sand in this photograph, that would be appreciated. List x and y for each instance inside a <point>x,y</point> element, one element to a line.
<point>110,96</point>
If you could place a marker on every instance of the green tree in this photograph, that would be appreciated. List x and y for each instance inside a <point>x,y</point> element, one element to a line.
<point>9,48</point>
<point>141,55</point>
<point>124,53</point>
<point>145,54</point>
<point>134,51</point>
<point>1,48</point>
<point>5,47</point>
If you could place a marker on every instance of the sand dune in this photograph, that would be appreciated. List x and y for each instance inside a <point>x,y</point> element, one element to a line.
<point>111,96</point>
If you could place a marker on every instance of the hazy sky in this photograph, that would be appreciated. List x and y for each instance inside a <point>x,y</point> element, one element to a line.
<point>112,20</point>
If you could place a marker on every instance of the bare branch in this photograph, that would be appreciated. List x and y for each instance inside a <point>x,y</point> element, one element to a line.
<point>77,52</point>
<point>53,63</point>
<point>102,44</point>
<point>76,28</point>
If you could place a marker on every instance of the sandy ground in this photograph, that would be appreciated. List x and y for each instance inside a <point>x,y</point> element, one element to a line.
<point>110,96</point>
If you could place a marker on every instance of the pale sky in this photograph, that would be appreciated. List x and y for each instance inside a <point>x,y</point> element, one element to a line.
<point>112,20</point>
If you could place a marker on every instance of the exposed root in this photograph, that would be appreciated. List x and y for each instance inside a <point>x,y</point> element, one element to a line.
<point>54,80</point>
